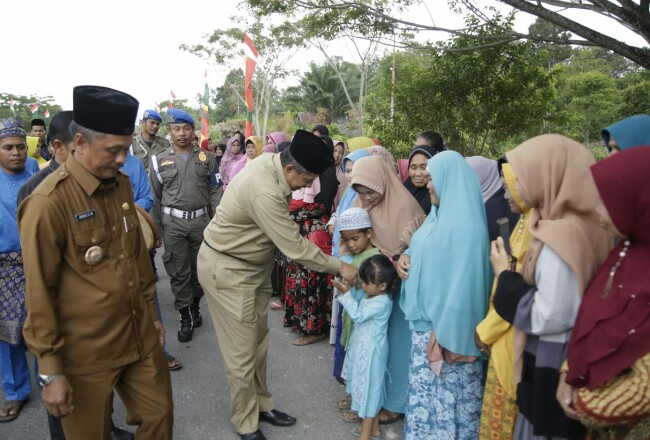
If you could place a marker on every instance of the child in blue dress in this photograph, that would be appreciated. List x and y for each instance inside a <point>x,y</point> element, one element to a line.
<point>368,348</point>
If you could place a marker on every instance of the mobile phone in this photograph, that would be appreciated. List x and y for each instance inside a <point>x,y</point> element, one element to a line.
<point>504,233</point>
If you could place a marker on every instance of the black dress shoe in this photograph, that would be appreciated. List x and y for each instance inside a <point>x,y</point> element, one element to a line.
<point>120,434</point>
<point>257,435</point>
<point>277,418</point>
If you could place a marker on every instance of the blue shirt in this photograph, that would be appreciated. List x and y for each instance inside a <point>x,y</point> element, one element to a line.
<point>31,166</point>
<point>139,181</point>
<point>10,184</point>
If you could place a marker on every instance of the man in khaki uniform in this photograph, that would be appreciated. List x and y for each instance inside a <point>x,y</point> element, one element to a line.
<point>186,195</point>
<point>148,143</point>
<point>92,320</point>
<point>235,262</point>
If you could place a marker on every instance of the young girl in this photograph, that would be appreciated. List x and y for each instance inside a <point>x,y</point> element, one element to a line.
<point>368,348</point>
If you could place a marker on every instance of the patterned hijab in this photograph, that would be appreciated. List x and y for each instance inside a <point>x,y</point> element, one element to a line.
<point>228,159</point>
<point>612,329</point>
<point>396,217</point>
<point>553,176</point>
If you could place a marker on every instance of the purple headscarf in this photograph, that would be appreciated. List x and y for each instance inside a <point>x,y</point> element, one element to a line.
<point>229,159</point>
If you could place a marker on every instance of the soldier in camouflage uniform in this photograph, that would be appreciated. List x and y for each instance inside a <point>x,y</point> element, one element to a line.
<point>186,191</point>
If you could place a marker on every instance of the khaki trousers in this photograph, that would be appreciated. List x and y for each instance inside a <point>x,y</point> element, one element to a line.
<point>145,388</point>
<point>238,295</point>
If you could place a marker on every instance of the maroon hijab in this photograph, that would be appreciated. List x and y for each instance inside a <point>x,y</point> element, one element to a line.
<point>611,333</point>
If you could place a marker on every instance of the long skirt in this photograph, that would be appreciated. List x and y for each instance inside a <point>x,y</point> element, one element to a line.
<point>443,407</point>
<point>308,294</point>
<point>499,412</point>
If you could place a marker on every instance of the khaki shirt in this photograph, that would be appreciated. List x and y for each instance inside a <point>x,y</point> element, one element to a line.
<point>183,184</point>
<point>84,318</point>
<point>253,221</point>
<point>143,152</point>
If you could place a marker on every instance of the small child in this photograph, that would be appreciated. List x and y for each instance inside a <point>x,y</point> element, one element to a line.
<point>368,348</point>
<point>356,231</point>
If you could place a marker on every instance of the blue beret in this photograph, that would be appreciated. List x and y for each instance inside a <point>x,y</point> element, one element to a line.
<point>151,114</point>
<point>175,116</point>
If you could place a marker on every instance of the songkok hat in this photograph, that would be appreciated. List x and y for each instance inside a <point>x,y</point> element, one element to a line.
<point>104,110</point>
<point>151,114</point>
<point>175,116</point>
<point>311,152</point>
<point>38,122</point>
<point>353,219</point>
<point>12,127</point>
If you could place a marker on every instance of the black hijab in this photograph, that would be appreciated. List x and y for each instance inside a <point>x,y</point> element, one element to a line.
<point>420,194</point>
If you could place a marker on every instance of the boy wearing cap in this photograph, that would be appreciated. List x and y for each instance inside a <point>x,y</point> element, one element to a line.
<point>185,198</point>
<point>235,262</point>
<point>92,321</point>
<point>148,143</point>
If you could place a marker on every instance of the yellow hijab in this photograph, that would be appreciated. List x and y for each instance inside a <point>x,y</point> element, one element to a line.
<point>33,144</point>
<point>493,330</point>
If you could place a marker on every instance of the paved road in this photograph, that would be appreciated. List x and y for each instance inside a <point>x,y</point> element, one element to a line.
<point>299,377</point>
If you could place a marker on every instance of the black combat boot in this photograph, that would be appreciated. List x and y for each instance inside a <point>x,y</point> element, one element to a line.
<point>195,311</point>
<point>185,330</point>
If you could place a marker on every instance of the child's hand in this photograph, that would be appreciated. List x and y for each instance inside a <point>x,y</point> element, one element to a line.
<point>341,286</point>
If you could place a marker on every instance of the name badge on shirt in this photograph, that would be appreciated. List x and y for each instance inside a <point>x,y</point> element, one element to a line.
<point>85,215</point>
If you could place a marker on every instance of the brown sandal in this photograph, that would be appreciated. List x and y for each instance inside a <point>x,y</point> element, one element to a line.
<point>173,363</point>
<point>350,416</point>
<point>387,417</point>
<point>308,340</point>
<point>344,404</point>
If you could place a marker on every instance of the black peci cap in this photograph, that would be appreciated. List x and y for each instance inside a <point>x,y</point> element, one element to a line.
<point>311,152</point>
<point>104,110</point>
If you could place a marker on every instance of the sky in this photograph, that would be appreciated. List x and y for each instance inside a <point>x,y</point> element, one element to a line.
<point>133,46</point>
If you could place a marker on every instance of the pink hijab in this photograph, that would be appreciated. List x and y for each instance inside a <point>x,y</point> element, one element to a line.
<point>229,159</point>
<point>272,140</point>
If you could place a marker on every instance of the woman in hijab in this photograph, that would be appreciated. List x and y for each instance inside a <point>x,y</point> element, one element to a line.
<point>416,182</point>
<point>339,154</point>
<point>272,140</point>
<point>395,216</point>
<point>495,336</point>
<point>496,206</point>
<point>612,331</point>
<point>253,147</point>
<point>627,133</point>
<point>566,249</point>
<point>444,296</point>
<point>230,157</point>
<point>33,150</point>
<point>219,150</point>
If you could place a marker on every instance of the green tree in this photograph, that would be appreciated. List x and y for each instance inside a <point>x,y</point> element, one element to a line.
<point>635,100</point>
<point>478,99</point>
<point>227,98</point>
<point>22,105</point>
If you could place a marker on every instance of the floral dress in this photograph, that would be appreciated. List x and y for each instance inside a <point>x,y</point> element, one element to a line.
<point>308,294</point>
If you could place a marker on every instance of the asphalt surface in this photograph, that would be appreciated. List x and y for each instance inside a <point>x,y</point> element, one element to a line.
<point>300,379</point>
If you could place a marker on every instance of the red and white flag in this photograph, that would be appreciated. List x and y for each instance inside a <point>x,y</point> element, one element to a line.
<point>47,113</point>
<point>156,106</point>
<point>173,95</point>
<point>33,108</point>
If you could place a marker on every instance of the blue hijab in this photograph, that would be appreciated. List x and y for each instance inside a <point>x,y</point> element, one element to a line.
<point>629,132</point>
<point>348,197</point>
<point>449,281</point>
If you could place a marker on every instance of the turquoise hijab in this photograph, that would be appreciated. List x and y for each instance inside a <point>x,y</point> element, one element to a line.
<point>348,197</point>
<point>449,281</point>
<point>629,132</point>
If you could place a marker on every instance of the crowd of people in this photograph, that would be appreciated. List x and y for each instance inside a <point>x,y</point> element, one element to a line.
<point>470,297</point>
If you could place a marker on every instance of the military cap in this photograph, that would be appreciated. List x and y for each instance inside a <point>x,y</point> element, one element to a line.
<point>104,110</point>
<point>175,116</point>
<point>12,127</point>
<point>311,152</point>
<point>151,114</point>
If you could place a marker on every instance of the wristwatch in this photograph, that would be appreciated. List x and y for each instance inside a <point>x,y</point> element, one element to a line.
<point>44,380</point>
